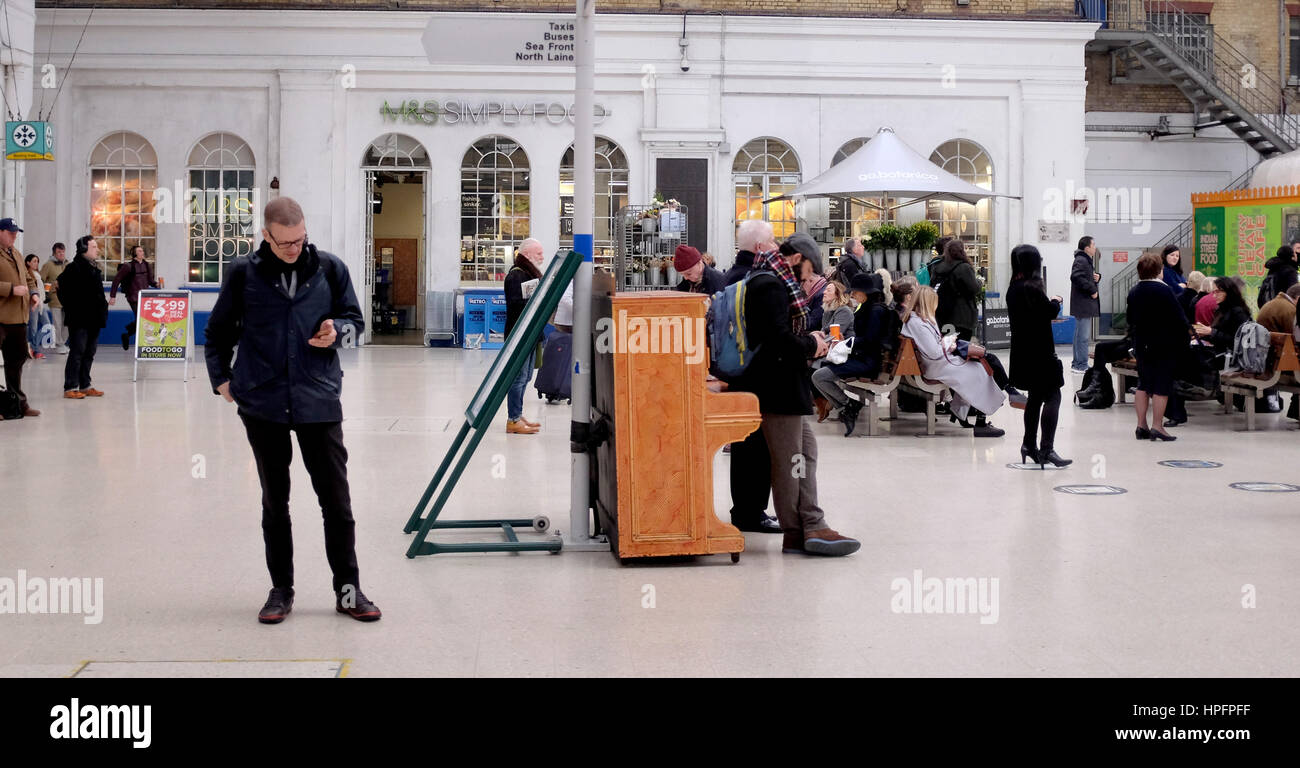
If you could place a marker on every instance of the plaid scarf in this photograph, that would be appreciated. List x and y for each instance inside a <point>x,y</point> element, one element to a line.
<point>774,262</point>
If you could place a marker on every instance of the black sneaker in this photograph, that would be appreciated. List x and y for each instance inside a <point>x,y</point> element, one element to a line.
<point>126,341</point>
<point>278,605</point>
<point>360,609</point>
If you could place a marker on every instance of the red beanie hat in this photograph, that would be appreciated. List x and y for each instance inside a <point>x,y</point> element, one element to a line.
<point>685,257</point>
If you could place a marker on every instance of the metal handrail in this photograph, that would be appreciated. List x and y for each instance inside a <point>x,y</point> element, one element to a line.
<point>1181,234</point>
<point>1215,59</point>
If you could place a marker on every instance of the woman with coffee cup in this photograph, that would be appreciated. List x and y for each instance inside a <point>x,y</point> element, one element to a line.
<point>837,325</point>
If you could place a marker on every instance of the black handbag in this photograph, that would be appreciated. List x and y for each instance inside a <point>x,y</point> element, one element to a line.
<point>11,406</point>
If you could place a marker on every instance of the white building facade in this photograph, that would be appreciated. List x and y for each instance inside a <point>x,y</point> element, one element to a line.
<point>162,101</point>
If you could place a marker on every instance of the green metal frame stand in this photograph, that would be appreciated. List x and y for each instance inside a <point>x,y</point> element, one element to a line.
<point>518,351</point>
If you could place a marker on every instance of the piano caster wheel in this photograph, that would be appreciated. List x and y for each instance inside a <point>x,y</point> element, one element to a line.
<point>541,523</point>
<point>735,557</point>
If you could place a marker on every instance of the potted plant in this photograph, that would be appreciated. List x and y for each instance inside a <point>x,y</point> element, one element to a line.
<point>870,255</point>
<point>888,239</point>
<point>636,272</point>
<point>921,237</point>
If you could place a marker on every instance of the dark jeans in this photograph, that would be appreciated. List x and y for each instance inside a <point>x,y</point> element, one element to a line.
<point>1106,352</point>
<point>82,343</point>
<point>327,463</point>
<point>751,478</point>
<point>999,373</point>
<point>135,314</point>
<point>13,347</point>
<point>1042,406</point>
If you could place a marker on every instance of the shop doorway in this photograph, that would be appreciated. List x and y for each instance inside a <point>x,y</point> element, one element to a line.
<point>396,186</point>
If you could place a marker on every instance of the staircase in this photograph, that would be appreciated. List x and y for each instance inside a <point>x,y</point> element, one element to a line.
<point>1214,75</point>
<point>1181,235</point>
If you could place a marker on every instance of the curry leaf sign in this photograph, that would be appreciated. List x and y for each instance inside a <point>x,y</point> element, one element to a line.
<point>88,721</point>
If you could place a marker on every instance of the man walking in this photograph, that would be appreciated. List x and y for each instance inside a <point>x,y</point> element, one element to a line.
<point>18,296</point>
<point>134,276</point>
<point>289,307</point>
<point>50,272</point>
<point>1084,304</point>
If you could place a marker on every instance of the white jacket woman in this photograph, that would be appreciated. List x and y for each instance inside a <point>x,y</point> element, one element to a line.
<point>970,383</point>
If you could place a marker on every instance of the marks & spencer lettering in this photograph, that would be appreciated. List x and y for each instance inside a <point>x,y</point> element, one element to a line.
<point>454,111</point>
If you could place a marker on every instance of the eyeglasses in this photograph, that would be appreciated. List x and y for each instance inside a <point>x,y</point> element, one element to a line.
<point>291,245</point>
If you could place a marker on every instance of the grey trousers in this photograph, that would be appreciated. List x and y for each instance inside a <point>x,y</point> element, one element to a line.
<point>793,450</point>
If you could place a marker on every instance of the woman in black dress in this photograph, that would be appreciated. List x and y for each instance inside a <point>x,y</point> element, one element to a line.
<point>1160,338</point>
<point>1034,364</point>
<point>1230,315</point>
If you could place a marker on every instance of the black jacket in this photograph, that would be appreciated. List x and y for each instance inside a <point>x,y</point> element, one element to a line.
<point>1284,272</point>
<point>1187,299</point>
<point>1082,287</point>
<point>872,322</point>
<point>738,270</point>
<point>1034,365</point>
<point>710,282</point>
<point>779,372</point>
<point>958,286</point>
<point>81,289</point>
<point>277,375</point>
<point>1224,329</point>
<point>132,277</point>
<point>1156,322</point>
<point>515,301</point>
<point>847,267</point>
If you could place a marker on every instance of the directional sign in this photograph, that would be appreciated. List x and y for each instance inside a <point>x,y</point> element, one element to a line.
<point>29,140</point>
<point>532,40</point>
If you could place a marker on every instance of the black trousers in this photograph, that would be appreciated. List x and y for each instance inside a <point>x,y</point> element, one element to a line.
<point>82,343</point>
<point>327,463</point>
<point>135,314</point>
<point>751,478</point>
<point>1042,406</point>
<point>999,373</point>
<point>13,347</point>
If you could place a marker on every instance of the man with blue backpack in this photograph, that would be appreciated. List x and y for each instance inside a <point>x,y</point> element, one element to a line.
<point>765,350</point>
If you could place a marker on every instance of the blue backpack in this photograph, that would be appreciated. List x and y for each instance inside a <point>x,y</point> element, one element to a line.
<point>728,346</point>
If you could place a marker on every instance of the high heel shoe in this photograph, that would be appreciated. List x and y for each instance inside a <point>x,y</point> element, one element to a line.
<point>1143,433</point>
<point>955,419</point>
<point>1048,456</point>
<point>1027,453</point>
<point>1162,436</point>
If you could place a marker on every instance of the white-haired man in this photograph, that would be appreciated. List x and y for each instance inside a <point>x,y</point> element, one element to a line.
<point>527,266</point>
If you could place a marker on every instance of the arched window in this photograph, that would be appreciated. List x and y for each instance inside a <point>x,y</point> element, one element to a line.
<point>395,150</point>
<point>222,205</point>
<point>972,224</point>
<point>847,217</point>
<point>611,195</point>
<point>123,176</point>
<point>766,168</point>
<point>494,207</point>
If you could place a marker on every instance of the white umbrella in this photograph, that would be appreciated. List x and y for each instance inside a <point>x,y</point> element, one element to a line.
<point>886,167</point>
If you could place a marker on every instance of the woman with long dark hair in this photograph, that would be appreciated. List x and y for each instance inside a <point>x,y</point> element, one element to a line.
<point>1034,364</point>
<point>1228,317</point>
<point>958,286</point>
<point>1172,262</point>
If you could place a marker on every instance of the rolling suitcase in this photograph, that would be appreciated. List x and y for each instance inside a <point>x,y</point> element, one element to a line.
<point>554,377</point>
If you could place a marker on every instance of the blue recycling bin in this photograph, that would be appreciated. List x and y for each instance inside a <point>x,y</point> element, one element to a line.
<point>483,323</point>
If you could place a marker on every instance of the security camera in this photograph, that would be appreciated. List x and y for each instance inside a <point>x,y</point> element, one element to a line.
<point>685,64</point>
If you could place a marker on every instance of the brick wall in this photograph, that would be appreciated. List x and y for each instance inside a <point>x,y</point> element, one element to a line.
<point>977,8</point>
<point>1105,96</point>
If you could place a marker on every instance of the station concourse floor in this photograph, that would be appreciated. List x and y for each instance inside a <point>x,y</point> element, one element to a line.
<point>152,488</point>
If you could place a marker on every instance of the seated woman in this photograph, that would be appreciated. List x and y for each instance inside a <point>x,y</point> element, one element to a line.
<point>1193,294</point>
<point>871,327</point>
<point>973,388</point>
<point>1230,313</point>
<point>837,309</point>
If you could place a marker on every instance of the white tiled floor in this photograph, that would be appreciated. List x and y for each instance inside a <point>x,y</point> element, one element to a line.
<point>1145,583</point>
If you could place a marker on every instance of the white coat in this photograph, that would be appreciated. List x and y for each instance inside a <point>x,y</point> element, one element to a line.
<point>971,385</point>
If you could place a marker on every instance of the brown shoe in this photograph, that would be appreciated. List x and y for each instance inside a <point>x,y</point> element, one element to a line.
<point>73,394</point>
<point>793,543</point>
<point>530,423</point>
<point>92,392</point>
<point>520,428</point>
<point>30,412</point>
<point>825,541</point>
<point>823,408</point>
